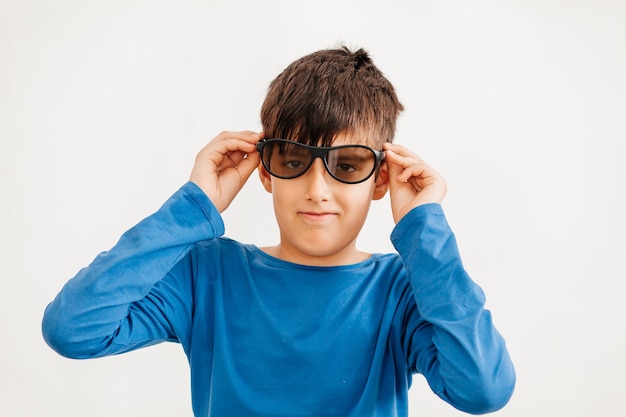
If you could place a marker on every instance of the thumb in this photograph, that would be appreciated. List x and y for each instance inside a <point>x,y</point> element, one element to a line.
<point>394,171</point>
<point>247,166</point>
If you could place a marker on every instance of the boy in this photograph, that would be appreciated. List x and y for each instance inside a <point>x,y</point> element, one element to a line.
<point>311,326</point>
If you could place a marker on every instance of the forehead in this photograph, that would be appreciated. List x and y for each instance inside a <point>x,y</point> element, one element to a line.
<point>359,137</point>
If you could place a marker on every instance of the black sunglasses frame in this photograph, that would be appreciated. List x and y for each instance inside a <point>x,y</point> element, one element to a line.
<point>322,153</point>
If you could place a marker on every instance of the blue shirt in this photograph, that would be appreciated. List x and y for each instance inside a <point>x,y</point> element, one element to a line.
<point>266,337</point>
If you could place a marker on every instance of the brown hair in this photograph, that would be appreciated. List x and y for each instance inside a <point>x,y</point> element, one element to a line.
<point>330,92</point>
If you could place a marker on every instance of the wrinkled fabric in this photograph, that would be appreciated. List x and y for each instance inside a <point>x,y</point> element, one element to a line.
<point>265,337</point>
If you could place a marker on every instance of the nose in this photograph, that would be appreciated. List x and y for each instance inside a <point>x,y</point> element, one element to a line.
<point>317,178</point>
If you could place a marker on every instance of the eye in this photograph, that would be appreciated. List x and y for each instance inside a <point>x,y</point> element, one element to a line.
<point>294,164</point>
<point>343,167</point>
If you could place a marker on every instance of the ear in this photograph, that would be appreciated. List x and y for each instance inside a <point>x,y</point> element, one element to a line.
<point>265,178</point>
<point>382,182</point>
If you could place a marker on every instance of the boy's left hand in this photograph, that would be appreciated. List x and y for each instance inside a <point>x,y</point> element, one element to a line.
<point>412,182</point>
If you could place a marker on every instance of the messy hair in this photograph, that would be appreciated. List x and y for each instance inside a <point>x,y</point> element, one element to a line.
<point>331,92</point>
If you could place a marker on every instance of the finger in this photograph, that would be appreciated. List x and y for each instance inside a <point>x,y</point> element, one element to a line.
<point>246,135</point>
<point>238,141</point>
<point>399,150</point>
<point>418,170</point>
<point>410,167</point>
<point>247,166</point>
<point>227,151</point>
<point>236,157</point>
<point>402,168</point>
<point>402,156</point>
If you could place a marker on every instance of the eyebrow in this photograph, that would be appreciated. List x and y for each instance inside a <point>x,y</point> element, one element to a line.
<point>358,157</point>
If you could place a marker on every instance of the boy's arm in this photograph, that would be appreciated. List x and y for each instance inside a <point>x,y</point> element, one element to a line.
<point>115,304</point>
<point>449,336</point>
<point>122,301</point>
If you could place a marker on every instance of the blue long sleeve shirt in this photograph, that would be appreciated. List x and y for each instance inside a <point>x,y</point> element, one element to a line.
<point>266,337</point>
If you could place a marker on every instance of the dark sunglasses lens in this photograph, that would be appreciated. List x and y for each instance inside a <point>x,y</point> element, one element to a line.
<point>351,164</point>
<point>286,160</point>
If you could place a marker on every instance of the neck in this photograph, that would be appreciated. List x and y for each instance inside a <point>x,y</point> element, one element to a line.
<point>347,256</point>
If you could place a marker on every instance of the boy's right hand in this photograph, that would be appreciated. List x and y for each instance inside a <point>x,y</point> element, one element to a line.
<point>224,165</point>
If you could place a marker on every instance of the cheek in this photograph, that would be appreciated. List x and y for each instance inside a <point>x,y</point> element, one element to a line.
<point>361,193</point>
<point>357,200</point>
<point>284,200</point>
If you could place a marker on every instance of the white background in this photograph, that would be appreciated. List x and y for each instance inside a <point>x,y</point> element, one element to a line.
<point>520,104</point>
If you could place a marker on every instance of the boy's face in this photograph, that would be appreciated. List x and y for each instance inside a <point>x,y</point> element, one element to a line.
<point>319,217</point>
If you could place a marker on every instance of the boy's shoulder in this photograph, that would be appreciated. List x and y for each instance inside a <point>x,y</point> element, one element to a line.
<point>224,246</point>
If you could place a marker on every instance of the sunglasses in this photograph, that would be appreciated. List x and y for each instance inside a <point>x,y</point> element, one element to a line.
<point>350,164</point>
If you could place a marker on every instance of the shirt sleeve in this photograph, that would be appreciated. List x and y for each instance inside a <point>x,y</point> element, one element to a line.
<point>116,304</point>
<point>449,335</point>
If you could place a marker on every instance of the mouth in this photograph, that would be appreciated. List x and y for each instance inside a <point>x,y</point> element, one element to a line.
<point>315,216</point>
